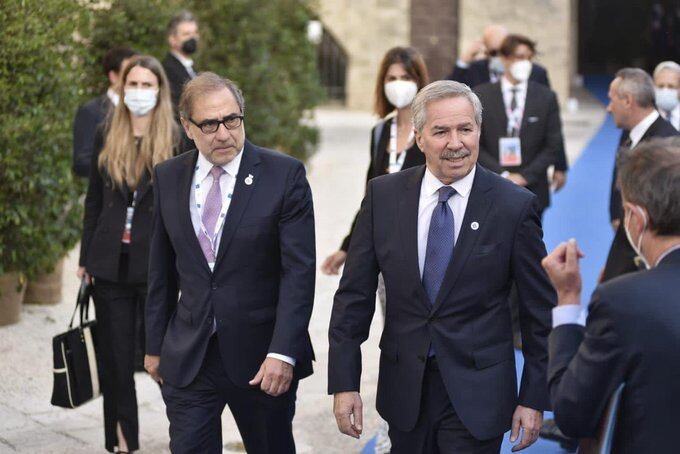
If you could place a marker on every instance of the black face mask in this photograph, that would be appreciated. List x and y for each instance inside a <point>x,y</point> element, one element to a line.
<point>189,46</point>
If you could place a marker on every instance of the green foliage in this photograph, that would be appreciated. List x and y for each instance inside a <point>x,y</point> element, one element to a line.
<point>40,70</point>
<point>262,46</point>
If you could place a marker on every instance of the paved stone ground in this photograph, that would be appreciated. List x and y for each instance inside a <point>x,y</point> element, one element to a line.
<point>29,424</point>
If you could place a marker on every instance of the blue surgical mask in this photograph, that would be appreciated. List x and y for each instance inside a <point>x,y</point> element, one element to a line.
<point>666,98</point>
<point>140,101</point>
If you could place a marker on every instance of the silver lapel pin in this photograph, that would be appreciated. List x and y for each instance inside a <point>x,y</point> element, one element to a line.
<point>474,225</point>
<point>249,180</point>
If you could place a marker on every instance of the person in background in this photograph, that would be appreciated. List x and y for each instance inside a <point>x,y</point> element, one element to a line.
<point>93,113</point>
<point>633,325</point>
<point>667,91</point>
<point>401,75</point>
<point>183,38</point>
<point>115,243</point>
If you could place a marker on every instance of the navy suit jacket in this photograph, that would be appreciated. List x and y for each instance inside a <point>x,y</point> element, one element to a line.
<point>89,117</point>
<point>261,291</point>
<point>632,337</point>
<point>468,325</point>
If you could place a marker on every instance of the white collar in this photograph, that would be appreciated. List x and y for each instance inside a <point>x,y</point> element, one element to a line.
<point>113,96</point>
<point>506,85</point>
<point>182,59</point>
<point>641,128</point>
<point>203,166</point>
<point>431,184</point>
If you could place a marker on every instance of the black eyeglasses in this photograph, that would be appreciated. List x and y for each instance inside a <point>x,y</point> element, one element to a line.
<point>211,126</point>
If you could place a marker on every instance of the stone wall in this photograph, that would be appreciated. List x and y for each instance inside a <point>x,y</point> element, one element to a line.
<point>549,22</point>
<point>434,32</point>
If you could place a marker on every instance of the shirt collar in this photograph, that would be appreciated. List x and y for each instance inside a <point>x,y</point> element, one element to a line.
<point>182,59</point>
<point>431,184</point>
<point>666,253</point>
<point>203,166</point>
<point>506,85</point>
<point>641,128</point>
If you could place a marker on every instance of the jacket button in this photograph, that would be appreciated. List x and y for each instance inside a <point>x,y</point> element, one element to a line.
<point>214,286</point>
<point>110,204</point>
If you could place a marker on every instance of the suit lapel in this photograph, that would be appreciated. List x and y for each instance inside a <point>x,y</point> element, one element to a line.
<point>407,217</point>
<point>185,181</point>
<point>240,197</point>
<point>530,103</point>
<point>476,211</point>
<point>143,187</point>
<point>499,106</point>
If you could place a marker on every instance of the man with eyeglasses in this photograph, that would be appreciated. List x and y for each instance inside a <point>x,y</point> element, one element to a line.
<point>231,279</point>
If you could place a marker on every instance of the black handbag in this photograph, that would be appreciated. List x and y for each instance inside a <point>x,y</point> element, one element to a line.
<point>76,371</point>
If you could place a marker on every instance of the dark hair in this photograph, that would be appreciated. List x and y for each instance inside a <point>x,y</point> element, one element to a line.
<point>513,41</point>
<point>182,16</point>
<point>207,82</point>
<point>414,64</point>
<point>636,82</point>
<point>649,176</point>
<point>114,58</point>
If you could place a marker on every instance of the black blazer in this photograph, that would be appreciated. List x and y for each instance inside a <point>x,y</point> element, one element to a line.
<point>380,159</point>
<point>621,256</point>
<point>469,324</point>
<point>631,336</point>
<point>88,118</point>
<point>177,76</point>
<point>540,135</point>
<point>105,210</point>
<point>261,292</point>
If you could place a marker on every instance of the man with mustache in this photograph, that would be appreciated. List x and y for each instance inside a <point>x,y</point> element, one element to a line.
<point>449,237</point>
<point>231,279</point>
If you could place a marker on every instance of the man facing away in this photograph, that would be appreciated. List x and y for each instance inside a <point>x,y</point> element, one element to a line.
<point>231,279</point>
<point>449,237</point>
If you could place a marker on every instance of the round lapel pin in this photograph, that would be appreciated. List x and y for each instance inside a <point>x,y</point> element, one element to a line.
<point>249,180</point>
<point>474,225</point>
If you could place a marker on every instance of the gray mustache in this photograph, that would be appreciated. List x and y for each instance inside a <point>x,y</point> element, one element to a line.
<point>450,154</point>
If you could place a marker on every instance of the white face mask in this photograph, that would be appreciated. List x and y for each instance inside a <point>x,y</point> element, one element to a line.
<point>666,98</point>
<point>496,65</point>
<point>637,246</point>
<point>140,101</point>
<point>521,70</point>
<point>400,93</point>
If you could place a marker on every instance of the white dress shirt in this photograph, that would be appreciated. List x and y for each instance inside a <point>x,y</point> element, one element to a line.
<point>674,118</point>
<point>506,89</point>
<point>641,128</point>
<point>429,197</point>
<point>203,177</point>
<point>188,63</point>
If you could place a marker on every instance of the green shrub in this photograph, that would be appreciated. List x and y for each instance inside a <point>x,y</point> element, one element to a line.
<point>40,72</point>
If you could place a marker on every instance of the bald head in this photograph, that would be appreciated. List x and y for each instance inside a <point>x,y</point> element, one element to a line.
<point>494,35</point>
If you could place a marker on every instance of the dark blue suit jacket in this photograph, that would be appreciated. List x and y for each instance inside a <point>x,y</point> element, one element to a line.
<point>468,325</point>
<point>262,289</point>
<point>632,336</point>
<point>89,117</point>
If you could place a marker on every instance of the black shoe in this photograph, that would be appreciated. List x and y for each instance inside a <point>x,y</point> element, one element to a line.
<point>550,431</point>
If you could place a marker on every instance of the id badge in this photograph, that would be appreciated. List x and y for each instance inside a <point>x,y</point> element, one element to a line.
<point>509,152</point>
<point>127,232</point>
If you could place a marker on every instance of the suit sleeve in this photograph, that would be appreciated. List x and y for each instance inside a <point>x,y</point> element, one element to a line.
<point>298,268</point>
<point>84,129</point>
<point>615,203</point>
<point>485,157</point>
<point>536,300</point>
<point>552,145</point>
<point>586,366</point>
<point>354,305</point>
<point>93,199</point>
<point>162,291</point>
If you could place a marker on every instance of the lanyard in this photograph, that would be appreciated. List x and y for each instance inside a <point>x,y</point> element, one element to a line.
<point>129,215</point>
<point>514,116</point>
<point>396,158</point>
<point>198,195</point>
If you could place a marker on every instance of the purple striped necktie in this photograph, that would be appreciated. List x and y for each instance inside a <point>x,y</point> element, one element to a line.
<point>211,212</point>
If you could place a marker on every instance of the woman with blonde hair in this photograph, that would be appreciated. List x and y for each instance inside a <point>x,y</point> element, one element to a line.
<point>140,133</point>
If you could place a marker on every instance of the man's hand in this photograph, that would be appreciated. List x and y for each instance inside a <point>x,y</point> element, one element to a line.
<point>472,51</point>
<point>518,179</point>
<point>563,269</point>
<point>274,377</point>
<point>333,262</point>
<point>530,421</point>
<point>559,179</point>
<point>83,274</point>
<point>151,364</point>
<point>348,411</point>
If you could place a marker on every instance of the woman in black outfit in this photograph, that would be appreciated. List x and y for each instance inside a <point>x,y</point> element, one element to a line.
<point>116,233</point>
<point>393,148</point>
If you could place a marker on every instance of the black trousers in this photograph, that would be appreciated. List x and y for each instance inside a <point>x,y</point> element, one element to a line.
<point>117,308</point>
<point>439,430</point>
<point>265,422</point>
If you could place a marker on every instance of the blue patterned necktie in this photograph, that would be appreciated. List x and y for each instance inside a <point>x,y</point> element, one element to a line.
<point>440,240</point>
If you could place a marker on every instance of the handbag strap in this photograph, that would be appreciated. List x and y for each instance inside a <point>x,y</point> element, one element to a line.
<point>82,302</point>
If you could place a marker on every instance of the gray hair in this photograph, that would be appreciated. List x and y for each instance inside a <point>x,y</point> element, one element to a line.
<point>443,89</point>
<point>636,82</point>
<point>667,65</point>
<point>207,82</point>
<point>649,176</point>
<point>181,16</point>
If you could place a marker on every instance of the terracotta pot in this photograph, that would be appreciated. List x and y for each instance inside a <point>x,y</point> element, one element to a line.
<point>45,288</point>
<point>10,298</point>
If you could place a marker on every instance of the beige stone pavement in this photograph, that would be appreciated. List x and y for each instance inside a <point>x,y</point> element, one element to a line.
<point>29,424</point>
